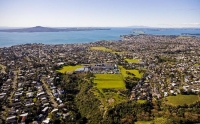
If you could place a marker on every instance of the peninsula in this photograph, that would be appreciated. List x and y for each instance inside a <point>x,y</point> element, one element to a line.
<point>48,29</point>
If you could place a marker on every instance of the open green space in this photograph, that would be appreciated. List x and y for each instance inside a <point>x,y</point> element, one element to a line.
<point>108,87</point>
<point>109,81</point>
<point>134,71</point>
<point>141,101</point>
<point>132,60</point>
<point>105,50</point>
<point>101,48</point>
<point>182,99</point>
<point>110,98</point>
<point>196,64</point>
<point>68,69</point>
<point>159,120</point>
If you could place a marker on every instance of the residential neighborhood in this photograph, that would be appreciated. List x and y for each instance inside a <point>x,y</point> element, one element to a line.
<point>30,90</point>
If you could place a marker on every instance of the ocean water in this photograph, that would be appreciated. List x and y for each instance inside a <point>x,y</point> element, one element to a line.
<point>15,38</point>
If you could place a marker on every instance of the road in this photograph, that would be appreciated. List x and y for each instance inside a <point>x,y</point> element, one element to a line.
<point>14,84</point>
<point>48,91</point>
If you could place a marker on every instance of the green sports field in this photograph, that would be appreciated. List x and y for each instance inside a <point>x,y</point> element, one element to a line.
<point>101,48</point>
<point>109,81</point>
<point>182,99</point>
<point>160,120</point>
<point>68,69</point>
<point>133,60</point>
<point>113,82</point>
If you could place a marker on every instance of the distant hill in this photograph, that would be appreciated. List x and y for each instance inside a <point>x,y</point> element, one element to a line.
<point>47,29</point>
<point>139,27</point>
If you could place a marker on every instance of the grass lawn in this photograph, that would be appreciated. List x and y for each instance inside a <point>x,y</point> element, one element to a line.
<point>115,83</point>
<point>160,120</point>
<point>34,100</point>
<point>101,48</point>
<point>67,69</point>
<point>141,101</point>
<point>143,122</point>
<point>105,49</point>
<point>134,71</point>
<point>133,60</point>
<point>109,81</point>
<point>182,99</point>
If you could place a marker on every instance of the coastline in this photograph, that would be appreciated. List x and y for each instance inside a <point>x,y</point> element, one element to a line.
<point>8,39</point>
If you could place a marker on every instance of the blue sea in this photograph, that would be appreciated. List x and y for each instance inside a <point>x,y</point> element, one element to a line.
<point>10,39</point>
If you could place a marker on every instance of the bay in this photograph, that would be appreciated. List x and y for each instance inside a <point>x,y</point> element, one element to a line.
<point>9,39</point>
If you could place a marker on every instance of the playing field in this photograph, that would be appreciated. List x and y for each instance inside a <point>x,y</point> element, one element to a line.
<point>109,81</point>
<point>182,99</point>
<point>115,83</point>
<point>101,48</point>
<point>135,72</point>
<point>133,60</point>
<point>159,120</point>
<point>67,69</point>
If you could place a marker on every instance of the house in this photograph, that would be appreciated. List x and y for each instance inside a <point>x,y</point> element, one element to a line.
<point>165,94</point>
<point>60,91</point>
<point>2,95</point>
<point>65,115</point>
<point>45,109</point>
<point>46,104</point>
<point>59,100</point>
<point>29,94</point>
<point>11,120</point>
<point>46,121</point>
<point>40,117</point>
<point>54,110</point>
<point>40,93</point>
<point>24,116</point>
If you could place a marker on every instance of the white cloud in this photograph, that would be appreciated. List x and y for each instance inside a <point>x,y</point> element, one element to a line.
<point>191,24</point>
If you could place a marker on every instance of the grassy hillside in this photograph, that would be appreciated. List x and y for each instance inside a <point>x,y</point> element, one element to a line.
<point>134,71</point>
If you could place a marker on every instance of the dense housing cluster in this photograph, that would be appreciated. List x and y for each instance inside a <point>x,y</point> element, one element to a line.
<point>28,80</point>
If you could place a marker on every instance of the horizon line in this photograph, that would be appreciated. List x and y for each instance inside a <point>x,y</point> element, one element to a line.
<point>137,26</point>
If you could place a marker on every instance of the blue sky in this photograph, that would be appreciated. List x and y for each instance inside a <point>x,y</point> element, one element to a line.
<point>100,13</point>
